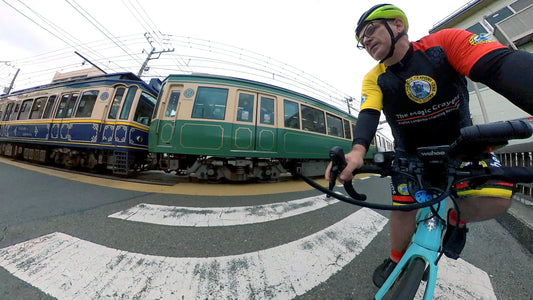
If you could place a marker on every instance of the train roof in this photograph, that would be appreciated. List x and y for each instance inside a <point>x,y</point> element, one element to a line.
<point>81,82</point>
<point>229,80</point>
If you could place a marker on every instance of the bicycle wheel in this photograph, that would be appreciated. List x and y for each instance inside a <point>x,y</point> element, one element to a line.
<point>407,284</point>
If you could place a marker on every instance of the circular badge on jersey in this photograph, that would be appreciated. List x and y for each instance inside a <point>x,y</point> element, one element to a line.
<point>420,88</point>
<point>403,189</point>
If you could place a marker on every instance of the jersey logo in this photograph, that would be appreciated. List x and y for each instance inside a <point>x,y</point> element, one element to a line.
<point>479,39</point>
<point>363,98</point>
<point>420,88</point>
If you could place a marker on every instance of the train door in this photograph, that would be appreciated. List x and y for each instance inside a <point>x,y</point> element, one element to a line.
<point>255,127</point>
<point>243,138</point>
<point>266,131</point>
<point>113,132</point>
<point>166,126</point>
<point>60,123</point>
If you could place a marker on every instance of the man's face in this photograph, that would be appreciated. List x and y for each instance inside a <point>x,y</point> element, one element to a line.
<point>375,39</point>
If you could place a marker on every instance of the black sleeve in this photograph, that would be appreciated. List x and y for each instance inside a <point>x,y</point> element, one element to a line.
<point>508,72</point>
<point>366,126</point>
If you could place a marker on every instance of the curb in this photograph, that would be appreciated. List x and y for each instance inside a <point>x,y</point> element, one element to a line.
<point>518,220</point>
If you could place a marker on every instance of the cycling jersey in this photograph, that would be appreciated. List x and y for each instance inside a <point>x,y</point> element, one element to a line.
<point>424,96</point>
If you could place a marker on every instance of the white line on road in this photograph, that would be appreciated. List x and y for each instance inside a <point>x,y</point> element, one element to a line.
<point>220,216</point>
<point>70,268</point>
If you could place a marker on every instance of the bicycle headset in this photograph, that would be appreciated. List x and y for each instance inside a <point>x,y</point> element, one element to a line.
<point>383,12</point>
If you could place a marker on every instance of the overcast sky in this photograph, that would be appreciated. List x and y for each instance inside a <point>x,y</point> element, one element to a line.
<point>316,36</point>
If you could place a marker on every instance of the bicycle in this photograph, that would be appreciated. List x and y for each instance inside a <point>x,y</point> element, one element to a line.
<point>433,173</point>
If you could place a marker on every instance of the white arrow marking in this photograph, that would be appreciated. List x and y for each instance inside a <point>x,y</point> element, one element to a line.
<point>69,268</point>
<point>220,216</point>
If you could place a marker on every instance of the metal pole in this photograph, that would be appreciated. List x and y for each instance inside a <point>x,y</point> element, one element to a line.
<point>12,82</point>
<point>85,59</point>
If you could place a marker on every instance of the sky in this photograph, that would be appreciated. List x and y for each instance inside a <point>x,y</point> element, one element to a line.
<point>314,36</point>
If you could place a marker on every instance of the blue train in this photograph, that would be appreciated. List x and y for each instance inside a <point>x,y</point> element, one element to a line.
<point>91,122</point>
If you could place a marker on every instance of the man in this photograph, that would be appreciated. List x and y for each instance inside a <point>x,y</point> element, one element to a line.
<point>420,87</point>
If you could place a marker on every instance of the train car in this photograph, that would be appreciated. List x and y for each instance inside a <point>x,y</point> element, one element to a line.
<point>216,127</point>
<point>92,122</point>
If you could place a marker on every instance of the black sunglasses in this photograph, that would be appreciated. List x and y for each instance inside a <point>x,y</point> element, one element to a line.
<point>370,29</point>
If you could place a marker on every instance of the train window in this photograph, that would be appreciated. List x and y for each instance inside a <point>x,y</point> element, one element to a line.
<point>119,93</point>
<point>313,119</point>
<point>245,108</point>
<point>25,109</point>
<point>291,114</point>
<point>144,110</point>
<point>1,110</point>
<point>38,108</point>
<point>66,105</point>
<point>334,125</point>
<point>49,106</point>
<point>15,112</point>
<point>347,133</point>
<point>86,104</point>
<point>267,111</point>
<point>125,112</point>
<point>9,110</point>
<point>210,103</point>
<point>172,106</point>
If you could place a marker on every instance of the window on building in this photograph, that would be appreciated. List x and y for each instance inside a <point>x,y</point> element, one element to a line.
<point>313,119</point>
<point>498,16</point>
<point>291,114</point>
<point>210,103</point>
<point>520,4</point>
<point>477,29</point>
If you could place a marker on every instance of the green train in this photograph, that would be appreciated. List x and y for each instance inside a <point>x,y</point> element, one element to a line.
<point>216,127</point>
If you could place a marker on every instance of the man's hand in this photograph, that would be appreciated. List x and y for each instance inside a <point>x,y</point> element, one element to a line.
<point>354,160</point>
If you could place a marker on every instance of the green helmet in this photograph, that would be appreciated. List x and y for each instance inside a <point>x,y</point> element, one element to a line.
<point>381,12</point>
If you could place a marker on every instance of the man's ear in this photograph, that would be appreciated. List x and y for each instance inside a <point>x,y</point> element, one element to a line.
<point>398,25</point>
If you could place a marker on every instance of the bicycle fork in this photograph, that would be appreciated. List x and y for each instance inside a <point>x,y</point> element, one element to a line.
<point>424,244</point>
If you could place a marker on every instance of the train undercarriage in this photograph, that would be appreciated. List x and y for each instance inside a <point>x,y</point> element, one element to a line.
<point>93,160</point>
<point>238,169</point>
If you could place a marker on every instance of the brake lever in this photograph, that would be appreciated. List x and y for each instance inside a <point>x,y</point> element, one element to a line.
<point>336,154</point>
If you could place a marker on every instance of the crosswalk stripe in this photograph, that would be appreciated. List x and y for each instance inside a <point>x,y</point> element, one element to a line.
<point>70,268</point>
<point>460,280</point>
<point>220,216</point>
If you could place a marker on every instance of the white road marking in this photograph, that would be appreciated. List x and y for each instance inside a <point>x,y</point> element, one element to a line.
<point>220,216</point>
<point>460,280</point>
<point>70,268</point>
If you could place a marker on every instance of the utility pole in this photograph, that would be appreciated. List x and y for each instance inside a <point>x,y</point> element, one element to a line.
<point>8,90</point>
<point>348,101</point>
<point>152,52</point>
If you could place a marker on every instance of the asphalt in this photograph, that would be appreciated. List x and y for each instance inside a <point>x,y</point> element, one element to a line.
<point>518,220</point>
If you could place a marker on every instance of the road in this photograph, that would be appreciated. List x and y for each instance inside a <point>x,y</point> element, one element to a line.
<point>76,237</point>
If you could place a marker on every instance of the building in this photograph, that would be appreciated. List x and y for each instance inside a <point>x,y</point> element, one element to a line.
<point>511,23</point>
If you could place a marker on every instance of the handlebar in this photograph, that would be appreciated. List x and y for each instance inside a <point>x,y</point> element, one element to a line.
<point>472,142</point>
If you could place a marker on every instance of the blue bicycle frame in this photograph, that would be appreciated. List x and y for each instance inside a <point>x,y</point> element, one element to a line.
<point>424,244</point>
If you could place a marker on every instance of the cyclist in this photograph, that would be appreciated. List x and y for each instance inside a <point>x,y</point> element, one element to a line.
<point>421,89</point>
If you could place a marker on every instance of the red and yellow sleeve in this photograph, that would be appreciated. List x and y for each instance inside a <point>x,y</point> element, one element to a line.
<point>462,48</point>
